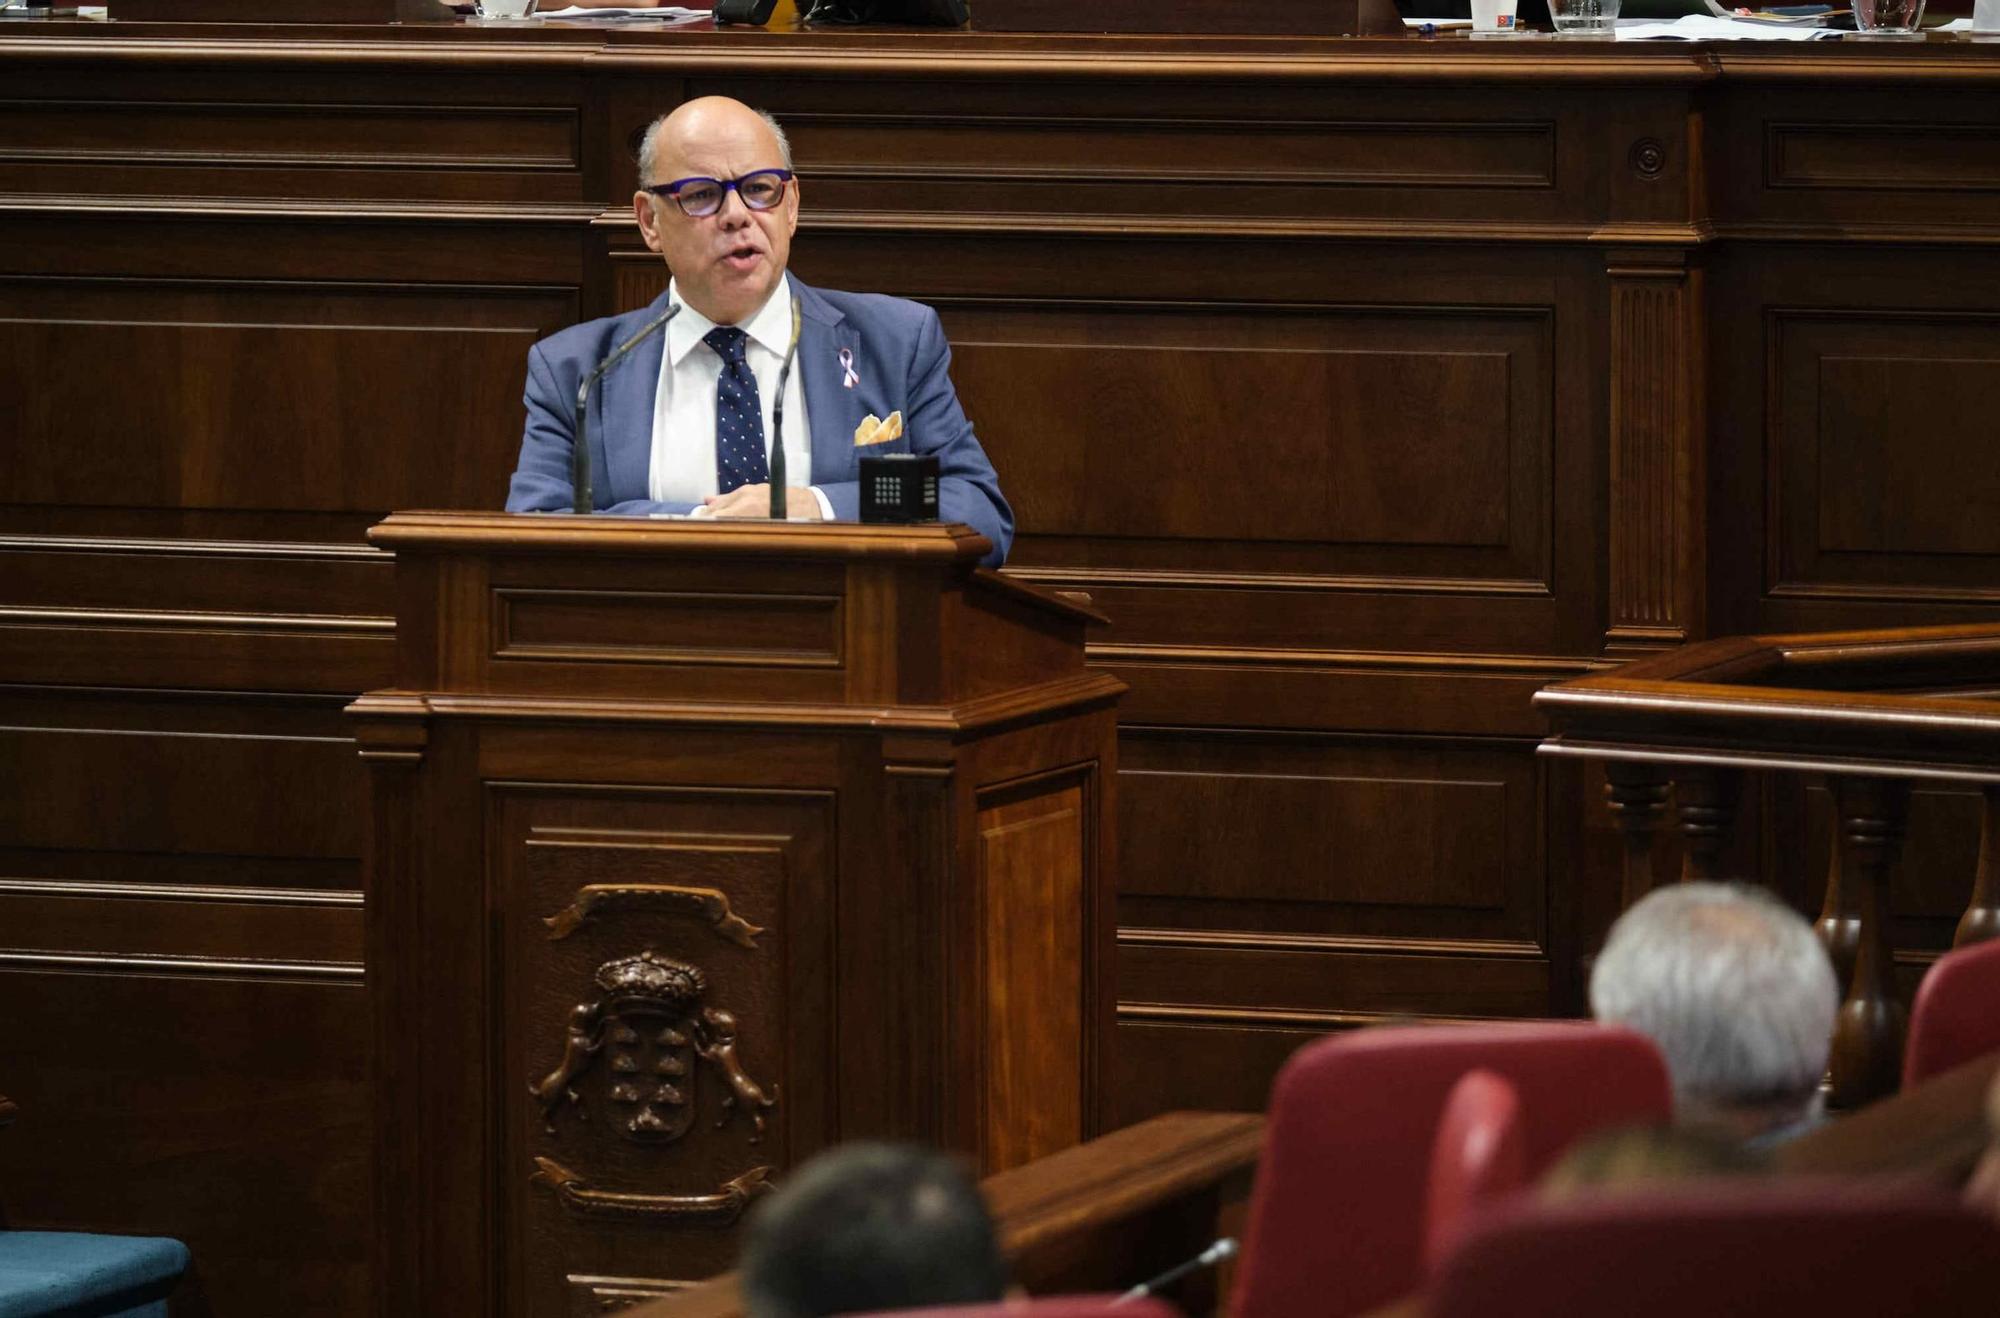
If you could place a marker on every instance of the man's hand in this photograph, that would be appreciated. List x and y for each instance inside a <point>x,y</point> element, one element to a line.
<point>801,505</point>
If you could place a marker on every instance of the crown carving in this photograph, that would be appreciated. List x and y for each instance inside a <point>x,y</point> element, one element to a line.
<point>652,978</point>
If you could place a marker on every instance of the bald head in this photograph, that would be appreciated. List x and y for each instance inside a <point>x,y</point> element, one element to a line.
<point>727,263</point>
<point>703,114</point>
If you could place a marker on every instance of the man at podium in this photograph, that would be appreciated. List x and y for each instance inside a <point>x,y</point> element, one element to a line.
<point>681,426</point>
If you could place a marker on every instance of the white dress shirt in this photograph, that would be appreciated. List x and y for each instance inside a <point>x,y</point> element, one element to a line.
<point>683,462</point>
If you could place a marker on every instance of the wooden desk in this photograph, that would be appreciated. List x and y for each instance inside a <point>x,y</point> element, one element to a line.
<point>1366,385</point>
<point>1934,1132</point>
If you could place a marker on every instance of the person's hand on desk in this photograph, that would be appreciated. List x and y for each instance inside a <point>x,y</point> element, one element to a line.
<point>801,504</point>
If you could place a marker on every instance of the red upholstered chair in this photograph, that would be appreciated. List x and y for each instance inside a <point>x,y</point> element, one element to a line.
<point>1829,1249</point>
<point>1336,1220</point>
<point>1480,1155</point>
<point>1956,1016</point>
<point>1048,1306</point>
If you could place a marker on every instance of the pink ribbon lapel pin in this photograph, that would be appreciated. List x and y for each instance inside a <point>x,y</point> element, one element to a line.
<point>848,378</point>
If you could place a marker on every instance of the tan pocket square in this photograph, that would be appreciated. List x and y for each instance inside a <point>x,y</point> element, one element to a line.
<point>874,430</point>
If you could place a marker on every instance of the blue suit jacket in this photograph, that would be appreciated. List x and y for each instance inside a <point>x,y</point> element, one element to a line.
<point>901,363</point>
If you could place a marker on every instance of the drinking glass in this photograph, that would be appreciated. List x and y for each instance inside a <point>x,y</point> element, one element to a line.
<point>1584,18</point>
<point>1888,18</point>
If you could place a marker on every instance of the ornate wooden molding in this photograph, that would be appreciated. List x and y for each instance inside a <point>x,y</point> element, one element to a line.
<point>711,904</point>
<point>1658,568</point>
<point>721,1208</point>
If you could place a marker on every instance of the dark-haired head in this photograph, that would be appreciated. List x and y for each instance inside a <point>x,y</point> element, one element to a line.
<point>867,1227</point>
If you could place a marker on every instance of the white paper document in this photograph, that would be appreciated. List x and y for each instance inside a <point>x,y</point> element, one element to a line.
<point>1706,27</point>
<point>664,14</point>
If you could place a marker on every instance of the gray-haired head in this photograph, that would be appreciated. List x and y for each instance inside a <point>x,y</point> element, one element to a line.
<point>1737,992</point>
<point>649,145</point>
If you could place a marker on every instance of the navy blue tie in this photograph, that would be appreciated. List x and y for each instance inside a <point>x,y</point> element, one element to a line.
<point>739,418</point>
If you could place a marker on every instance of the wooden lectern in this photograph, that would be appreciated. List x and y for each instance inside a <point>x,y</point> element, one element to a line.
<point>700,846</point>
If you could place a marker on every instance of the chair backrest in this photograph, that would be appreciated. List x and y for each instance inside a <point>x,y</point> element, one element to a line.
<point>1480,1156</point>
<point>1047,1306</point>
<point>1829,1249</point>
<point>1336,1215</point>
<point>1956,1016</point>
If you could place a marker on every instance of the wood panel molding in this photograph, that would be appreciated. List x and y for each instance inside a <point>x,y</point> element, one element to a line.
<point>295,134</point>
<point>1265,1018</point>
<point>1058,226</point>
<point>1851,505</point>
<point>1188,149</point>
<point>1658,437</point>
<point>1259,941</point>
<point>185,967</point>
<point>1881,156</point>
<point>782,56</point>
<point>345,212</point>
<point>1088,578</point>
<point>760,629</point>
<point>1550,668</point>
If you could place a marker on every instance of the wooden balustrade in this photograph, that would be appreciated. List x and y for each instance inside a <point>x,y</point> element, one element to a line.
<point>1870,713</point>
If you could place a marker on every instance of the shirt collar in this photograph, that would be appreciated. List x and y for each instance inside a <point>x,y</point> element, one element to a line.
<point>770,325</point>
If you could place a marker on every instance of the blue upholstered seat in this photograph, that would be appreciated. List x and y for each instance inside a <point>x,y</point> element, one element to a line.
<point>79,1275</point>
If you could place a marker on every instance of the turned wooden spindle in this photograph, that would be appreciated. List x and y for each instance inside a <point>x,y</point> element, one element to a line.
<point>1981,920</point>
<point>1705,799</point>
<point>1637,796</point>
<point>1868,1032</point>
<point>1839,923</point>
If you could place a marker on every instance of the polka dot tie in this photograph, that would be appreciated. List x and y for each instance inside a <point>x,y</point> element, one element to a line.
<point>739,418</point>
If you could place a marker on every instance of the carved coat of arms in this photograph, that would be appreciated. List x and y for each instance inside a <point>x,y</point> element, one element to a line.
<point>653,1033</point>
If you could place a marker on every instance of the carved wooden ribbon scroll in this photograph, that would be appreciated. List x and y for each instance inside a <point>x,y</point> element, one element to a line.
<point>719,1209</point>
<point>711,904</point>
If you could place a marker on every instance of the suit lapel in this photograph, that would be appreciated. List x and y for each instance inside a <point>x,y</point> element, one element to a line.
<point>622,435</point>
<point>832,409</point>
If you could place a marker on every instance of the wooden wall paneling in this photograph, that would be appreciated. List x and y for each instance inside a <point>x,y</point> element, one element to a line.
<point>1824,514</point>
<point>174,612</point>
<point>1329,836</point>
<point>1035,836</point>
<point>1236,153</point>
<point>245,1137</point>
<point>440,367</point>
<point>1502,272</point>
<point>179,888</point>
<point>1852,162</point>
<point>284,137</point>
<point>1237,1060</point>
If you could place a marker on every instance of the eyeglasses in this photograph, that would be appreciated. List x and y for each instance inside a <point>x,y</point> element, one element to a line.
<point>760,189</point>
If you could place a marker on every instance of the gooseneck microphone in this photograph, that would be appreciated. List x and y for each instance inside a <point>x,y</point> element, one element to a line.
<point>1208,1258</point>
<point>579,454</point>
<point>777,462</point>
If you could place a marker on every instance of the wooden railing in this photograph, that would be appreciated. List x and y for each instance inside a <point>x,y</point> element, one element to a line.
<point>1871,712</point>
